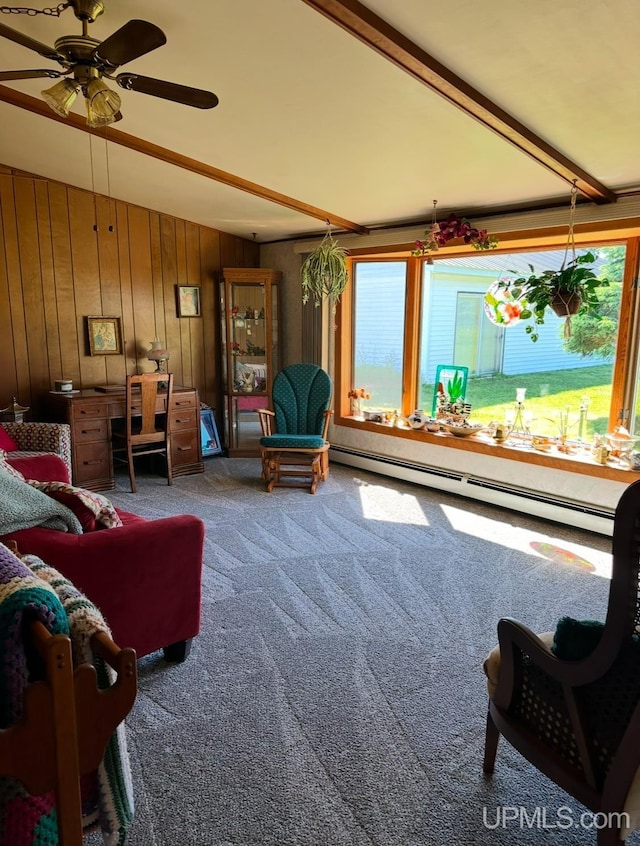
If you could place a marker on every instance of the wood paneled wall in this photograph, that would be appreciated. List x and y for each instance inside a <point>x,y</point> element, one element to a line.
<point>56,270</point>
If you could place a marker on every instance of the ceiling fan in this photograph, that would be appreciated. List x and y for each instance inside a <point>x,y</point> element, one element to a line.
<point>86,62</point>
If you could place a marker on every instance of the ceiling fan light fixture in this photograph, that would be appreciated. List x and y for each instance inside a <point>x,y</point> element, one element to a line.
<point>61,96</point>
<point>95,121</point>
<point>103,104</point>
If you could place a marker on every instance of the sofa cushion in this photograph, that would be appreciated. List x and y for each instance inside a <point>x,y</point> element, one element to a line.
<point>6,441</point>
<point>491,665</point>
<point>293,441</point>
<point>46,466</point>
<point>93,510</point>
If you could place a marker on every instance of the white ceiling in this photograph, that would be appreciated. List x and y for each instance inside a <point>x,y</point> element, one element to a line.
<point>310,112</point>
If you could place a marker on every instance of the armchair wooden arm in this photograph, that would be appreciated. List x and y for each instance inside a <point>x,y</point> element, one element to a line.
<point>267,420</point>
<point>518,642</point>
<point>327,419</point>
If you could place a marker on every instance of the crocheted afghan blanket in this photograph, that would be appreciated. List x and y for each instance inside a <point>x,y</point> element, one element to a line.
<point>29,586</point>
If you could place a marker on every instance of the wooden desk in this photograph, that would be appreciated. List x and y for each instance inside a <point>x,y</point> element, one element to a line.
<point>90,412</point>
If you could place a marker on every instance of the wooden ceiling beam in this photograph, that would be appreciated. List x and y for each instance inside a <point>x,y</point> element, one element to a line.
<point>376,33</point>
<point>116,136</point>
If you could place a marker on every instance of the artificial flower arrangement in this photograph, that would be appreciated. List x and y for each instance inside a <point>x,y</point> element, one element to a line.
<point>355,395</point>
<point>359,393</point>
<point>453,227</point>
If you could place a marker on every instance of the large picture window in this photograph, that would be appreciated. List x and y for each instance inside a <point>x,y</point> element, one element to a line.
<point>560,374</point>
<point>407,316</point>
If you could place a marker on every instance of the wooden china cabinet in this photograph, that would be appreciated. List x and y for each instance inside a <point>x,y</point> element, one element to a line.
<point>251,351</point>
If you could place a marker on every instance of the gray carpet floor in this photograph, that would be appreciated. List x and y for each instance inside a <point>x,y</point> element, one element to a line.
<point>335,696</point>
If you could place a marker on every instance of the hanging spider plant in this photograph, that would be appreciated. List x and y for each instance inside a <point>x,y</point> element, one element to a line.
<point>324,272</point>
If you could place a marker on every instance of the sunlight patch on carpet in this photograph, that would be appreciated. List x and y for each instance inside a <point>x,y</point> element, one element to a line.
<point>525,540</point>
<point>560,555</point>
<point>381,503</point>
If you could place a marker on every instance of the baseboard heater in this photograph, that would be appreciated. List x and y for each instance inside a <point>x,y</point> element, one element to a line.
<point>558,510</point>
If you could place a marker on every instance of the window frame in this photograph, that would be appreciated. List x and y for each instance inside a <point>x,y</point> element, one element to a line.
<point>625,369</point>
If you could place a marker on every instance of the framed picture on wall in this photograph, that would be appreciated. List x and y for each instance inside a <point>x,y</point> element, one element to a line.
<point>188,297</point>
<point>105,335</point>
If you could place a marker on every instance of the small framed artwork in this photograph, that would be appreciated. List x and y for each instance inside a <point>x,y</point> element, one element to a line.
<point>209,433</point>
<point>452,379</point>
<point>188,297</point>
<point>105,335</point>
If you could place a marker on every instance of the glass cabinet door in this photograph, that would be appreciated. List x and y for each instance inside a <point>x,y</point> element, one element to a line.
<point>248,338</point>
<point>250,348</point>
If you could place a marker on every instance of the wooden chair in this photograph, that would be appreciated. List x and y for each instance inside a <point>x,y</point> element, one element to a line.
<point>67,725</point>
<point>578,721</point>
<point>67,715</point>
<point>294,445</point>
<point>142,434</point>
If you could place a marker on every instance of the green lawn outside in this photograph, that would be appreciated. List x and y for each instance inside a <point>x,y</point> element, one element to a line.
<point>548,394</point>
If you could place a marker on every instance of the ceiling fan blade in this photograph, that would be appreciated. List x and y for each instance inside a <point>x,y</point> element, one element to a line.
<point>195,97</point>
<point>29,74</point>
<point>29,43</point>
<point>133,39</point>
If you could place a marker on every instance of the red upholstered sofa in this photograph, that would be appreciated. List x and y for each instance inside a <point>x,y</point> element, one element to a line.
<point>145,576</point>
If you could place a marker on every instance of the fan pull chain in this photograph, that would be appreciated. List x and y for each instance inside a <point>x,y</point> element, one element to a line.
<point>93,183</point>
<point>53,11</point>
<point>93,178</point>
<point>106,155</point>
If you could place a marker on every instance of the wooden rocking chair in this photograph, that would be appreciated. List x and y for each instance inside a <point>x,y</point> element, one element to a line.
<point>294,445</point>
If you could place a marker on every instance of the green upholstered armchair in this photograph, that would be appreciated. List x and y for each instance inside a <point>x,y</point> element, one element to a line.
<point>294,445</point>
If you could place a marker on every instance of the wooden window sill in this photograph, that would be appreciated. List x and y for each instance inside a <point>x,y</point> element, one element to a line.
<point>481,444</point>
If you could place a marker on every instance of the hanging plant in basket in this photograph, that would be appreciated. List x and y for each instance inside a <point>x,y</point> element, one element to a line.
<point>570,290</point>
<point>567,291</point>
<point>324,272</point>
<point>453,228</point>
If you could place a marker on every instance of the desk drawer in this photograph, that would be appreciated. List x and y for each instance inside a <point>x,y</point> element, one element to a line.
<point>89,411</point>
<point>183,401</point>
<point>184,447</point>
<point>183,419</point>
<point>93,461</point>
<point>90,430</point>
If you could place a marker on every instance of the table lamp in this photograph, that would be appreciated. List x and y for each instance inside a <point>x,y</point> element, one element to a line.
<point>158,354</point>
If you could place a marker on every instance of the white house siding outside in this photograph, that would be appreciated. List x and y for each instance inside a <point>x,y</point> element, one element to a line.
<point>380,319</point>
<point>519,354</point>
<point>380,314</point>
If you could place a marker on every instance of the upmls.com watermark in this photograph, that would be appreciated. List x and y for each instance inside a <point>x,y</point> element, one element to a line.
<point>517,816</point>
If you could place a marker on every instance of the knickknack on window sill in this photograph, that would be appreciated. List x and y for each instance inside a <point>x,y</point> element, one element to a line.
<point>583,464</point>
